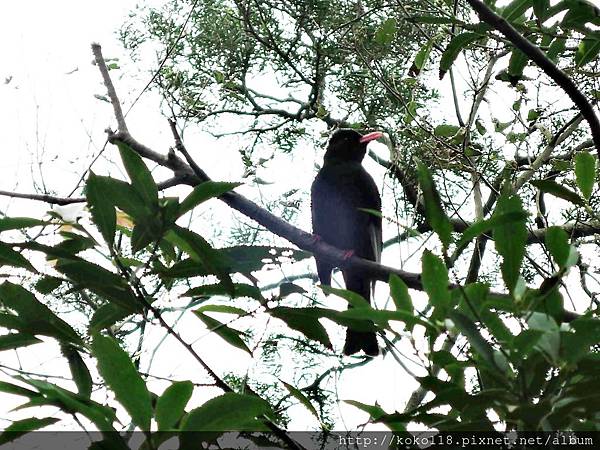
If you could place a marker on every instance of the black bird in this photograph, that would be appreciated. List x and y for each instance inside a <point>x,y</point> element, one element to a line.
<point>341,187</point>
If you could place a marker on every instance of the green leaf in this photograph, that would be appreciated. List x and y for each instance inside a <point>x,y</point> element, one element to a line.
<point>457,43</point>
<point>472,299</point>
<point>298,395</point>
<point>286,289</point>
<point>144,234</point>
<point>123,196</point>
<point>540,7</point>
<point>200,250</point>
<point>585,173</point>
<point>106,316</point>
<point>101,207</point>
<point>17,223</point>
<point>10,257</point>
<point>79,371</point>
<point>380,317</point>
<point>229,335</point>
<point>446,130</point>
<point>239,290</point>
<point>228,412</point>
<point>525,342</point>
<point>100,281</point>
<point>140,176</point>
<point>533,114</point>
<point>205,191</point>
<point>435,281</point>
<point>47,284</point>
<point>510,239</point>
<point>24,426</point>
<point>225,309</point>
<point>579,13</point>
<point>421,57</point>
<point>557,47</point>
<point>515,9</point>
<point>15,389</point>
<point>588,49</point>
<point>496,326</point>
<point>170,406</point>
<point>549,342</point>
<point>480,127</point>
<point>558,190</point>
<point>436,217</point>
<point>516,64</point>
<point>375,411</point>
<point>12,322</point>
<point>557,243</point>
<point>400,294</point>
<point>123,379</point>
<point>101,416</point>
<point>242,258</point>
<point>15,340</point>
<point>36,316</point>
<point>478,343</point>
<point>304,320</point>
<point>386,32</point>
<point>356,300</point>
<point>483,226</point>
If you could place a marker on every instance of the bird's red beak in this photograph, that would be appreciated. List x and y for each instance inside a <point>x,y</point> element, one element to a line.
<point>371,136</point>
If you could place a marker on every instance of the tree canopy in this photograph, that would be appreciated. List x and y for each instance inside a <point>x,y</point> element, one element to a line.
<point>490,212</point>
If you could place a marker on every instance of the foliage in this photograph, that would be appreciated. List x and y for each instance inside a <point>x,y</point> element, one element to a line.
<point>496,270</point>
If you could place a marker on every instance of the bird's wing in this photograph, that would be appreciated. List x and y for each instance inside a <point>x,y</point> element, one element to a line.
<point>376,239</point>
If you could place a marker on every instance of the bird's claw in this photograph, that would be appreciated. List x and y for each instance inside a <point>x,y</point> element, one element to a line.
<point>348,254</point>
<point>315,239</point>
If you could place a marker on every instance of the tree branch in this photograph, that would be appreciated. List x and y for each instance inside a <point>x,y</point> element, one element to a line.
<point>538,56</point>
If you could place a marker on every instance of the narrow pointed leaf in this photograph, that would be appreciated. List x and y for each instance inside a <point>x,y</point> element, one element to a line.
<point>79,371</point>
<point>585,173</point>
<point>15,340</point>
<point>10,257</point>
<point>17,223</point>
<point>484,226</point>
<point>400,294</point>
<point>140,176</point>
<point>557,243</point>
<point>510,239</point>
<point>298,395</point>
<point>24,426</point>
<point>553,188</point>
<point>356,300</point>
<point>228,334</point>
<point>36,316</point>
<point>170,406</point>
<point>435,280</point>
<point>199,249</point>
<point>123,379</point>
<point>436,217</point>
<point>102,209</point>
<point>205,191</point>
<point>457,43</point>
<point>304,320</point>
<point>228,412</point>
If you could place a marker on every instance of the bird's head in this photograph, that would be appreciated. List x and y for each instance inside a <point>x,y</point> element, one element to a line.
<point>349,145</point>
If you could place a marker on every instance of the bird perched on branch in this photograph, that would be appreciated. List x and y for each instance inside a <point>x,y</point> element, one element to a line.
<point>341,192</point>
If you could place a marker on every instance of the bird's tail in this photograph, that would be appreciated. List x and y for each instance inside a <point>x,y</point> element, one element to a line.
<point>359,340</point>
